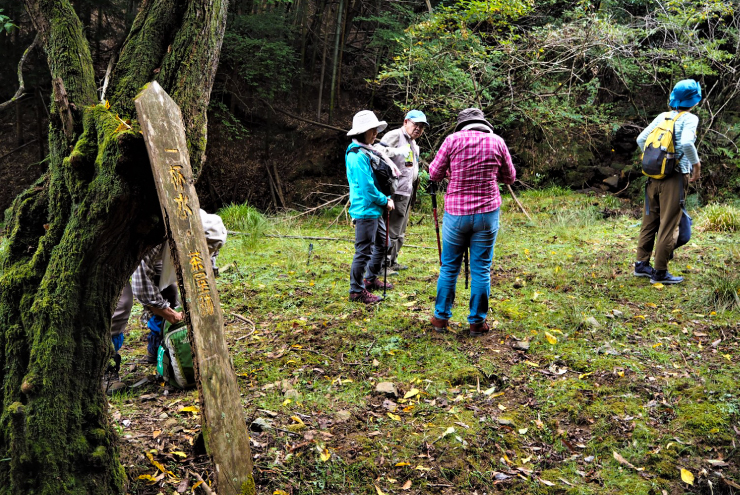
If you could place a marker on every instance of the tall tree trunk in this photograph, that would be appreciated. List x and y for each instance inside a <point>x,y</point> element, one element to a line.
<point>323,73</point>
<point>77,234</point>
<point>335,63</point>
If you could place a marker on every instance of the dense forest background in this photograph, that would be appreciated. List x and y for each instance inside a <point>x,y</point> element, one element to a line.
<point>569,85</point>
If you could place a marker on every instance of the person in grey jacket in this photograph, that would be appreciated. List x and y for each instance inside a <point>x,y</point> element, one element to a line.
<point>408,163</point>
<point>663,197</point>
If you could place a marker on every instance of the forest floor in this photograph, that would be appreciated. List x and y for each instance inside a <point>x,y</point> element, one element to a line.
<point>592,381</point>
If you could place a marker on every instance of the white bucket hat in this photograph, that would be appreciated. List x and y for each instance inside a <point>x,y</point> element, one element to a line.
<point>364,121</point>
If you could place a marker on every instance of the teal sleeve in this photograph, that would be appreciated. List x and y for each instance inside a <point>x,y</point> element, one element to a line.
<point>366,181</point>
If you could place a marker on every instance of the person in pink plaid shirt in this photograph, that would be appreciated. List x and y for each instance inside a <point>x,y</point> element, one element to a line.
<point>475,160</point>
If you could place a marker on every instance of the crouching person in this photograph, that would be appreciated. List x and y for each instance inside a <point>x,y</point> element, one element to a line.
<point>475,160</point>
<point>367,205</point>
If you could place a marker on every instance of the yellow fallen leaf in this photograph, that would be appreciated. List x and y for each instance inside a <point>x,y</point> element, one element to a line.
<point>156,433</point>
<point>584,375</point>
<point>651,305</point>
<point>557,331</point>
<point>156,464</point>
<point>502,407</point>
<point>148,478</point>
<point>532,364</point>
<point>727,356</point>
<point>325,455</point>
<point>687,477</point>
<point>378,490</point>
<point>201,482</point>
<point>107,105</point>
<point>658,285</point>
<point>399,464</point>
<point>407,485</point>
<point>551,338</point>
<point>655,346</point>
<point>526,460</point>
<point>422,468</point>
<point>190,409</point>
<point>279,492</point>
<point>179,454</point>
<point>394,417</point>
<point>639,316</point>
<point>411,393</point>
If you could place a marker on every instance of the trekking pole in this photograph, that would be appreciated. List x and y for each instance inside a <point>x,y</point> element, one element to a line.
<point>310,250</point>
<point>466,260</point>
<point>433,193</point>
<point>385,255</point>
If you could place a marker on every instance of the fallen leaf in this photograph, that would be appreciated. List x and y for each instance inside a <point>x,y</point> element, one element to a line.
<point>687,477</point>
<point>148,478</point>
<point>279,492</point>
<point>658,285</point>
<point>406,485</point>
<point>584,375</point>
<point>190,409</point>
<point>378,490</point>
<point>551,338</point>
<point>624,461</point>
<point>179,454</point>
<point>523,431</point>
<point>717,463</point>
<point>325,455</point>
<point>394,417</point>
<point>411,393</point>
<point>399,464</point>
<point>156,464</point>
<point>532,364</point>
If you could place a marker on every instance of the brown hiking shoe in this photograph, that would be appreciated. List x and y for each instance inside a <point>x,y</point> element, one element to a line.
<point>364,297</point>
<point>377,284</point>
<point>479,329</point>
<point>438,325</point>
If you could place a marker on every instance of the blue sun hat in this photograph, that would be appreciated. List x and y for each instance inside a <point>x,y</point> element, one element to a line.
<point>686,93</point>
<point>417,117</point>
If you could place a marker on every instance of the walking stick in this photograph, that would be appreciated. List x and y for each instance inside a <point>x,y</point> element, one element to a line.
<point>433,193</point>
<point>385,255</point>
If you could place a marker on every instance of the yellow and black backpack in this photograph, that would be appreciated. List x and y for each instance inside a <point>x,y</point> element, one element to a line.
<point>659,157</point>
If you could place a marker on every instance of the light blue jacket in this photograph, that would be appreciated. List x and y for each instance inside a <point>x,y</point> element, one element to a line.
<point>366,201</point>
<point>684,136</point>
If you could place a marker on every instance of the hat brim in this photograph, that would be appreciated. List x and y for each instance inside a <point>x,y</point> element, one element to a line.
<point>360,130</point>
<point>419,121</point>
<point>685,103</point>
<point>462,124</point>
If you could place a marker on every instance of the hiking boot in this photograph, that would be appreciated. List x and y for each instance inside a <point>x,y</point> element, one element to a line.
<point>438,325</point>
<point>377,284</point>
<point>398,267</point>
<point>663,277</point>
<point>364,297</point>
<point>479,329</point>
<point>643,269</point>
<point>150,359</point>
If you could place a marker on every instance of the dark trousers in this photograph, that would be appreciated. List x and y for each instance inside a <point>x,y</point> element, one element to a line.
<point>369,250</point>
<point>660,218</point>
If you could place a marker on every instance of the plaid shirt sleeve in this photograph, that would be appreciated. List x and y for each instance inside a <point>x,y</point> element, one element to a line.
<point>441,164</point>
<point>143,283</point>
<point>506,172</point>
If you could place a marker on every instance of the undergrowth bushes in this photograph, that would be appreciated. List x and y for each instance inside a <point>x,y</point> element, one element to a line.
<point>720,218</point>
<point>245,219</point>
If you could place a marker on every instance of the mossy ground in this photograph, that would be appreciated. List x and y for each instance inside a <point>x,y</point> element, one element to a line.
<point>654,380</point>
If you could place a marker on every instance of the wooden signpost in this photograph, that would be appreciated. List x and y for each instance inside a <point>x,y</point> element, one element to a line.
<point>224,426</point>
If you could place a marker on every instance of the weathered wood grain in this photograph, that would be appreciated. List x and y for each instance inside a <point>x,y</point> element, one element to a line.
<point>224,426</point>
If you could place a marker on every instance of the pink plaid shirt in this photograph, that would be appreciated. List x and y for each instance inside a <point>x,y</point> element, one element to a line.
<point>473,161</point>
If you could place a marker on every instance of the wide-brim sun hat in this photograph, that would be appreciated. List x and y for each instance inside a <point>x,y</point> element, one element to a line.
<point>686,93</point>
<point>471,116</point>
<point>417,117</point>
<point>365,120</point>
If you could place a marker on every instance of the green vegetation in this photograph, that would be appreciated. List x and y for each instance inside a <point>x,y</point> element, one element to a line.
<point>614,364</point>
<point>720,218</point>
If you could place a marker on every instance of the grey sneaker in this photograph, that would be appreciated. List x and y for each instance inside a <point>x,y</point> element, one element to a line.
<point>664,277</point>
<point>643,269</point>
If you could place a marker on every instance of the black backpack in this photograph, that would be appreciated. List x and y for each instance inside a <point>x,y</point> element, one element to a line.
<point>385,180</point>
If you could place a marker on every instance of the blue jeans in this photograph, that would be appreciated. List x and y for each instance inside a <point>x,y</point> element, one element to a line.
<point>459,232</point>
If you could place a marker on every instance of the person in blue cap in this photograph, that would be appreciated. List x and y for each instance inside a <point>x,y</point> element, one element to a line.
<point>403,138</point>
<point>664,197</point>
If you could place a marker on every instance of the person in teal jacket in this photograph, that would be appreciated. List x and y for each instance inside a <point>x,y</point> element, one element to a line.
<point>367,205</point>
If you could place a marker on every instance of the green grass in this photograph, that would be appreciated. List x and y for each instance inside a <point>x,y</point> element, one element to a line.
<point>720,218</point>
<point>632,384</point>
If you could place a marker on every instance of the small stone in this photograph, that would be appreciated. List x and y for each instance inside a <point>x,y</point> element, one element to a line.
<point>617,313</point>
<point>126,423</point>
<point>589,458</point>
<point>343,415</point>
<point>388,388</point>
<point>292,394</point>
<point>505,422</point>
<point>521,345</point>
<point>260,424</point>
<point>164,415</point>
<point>591,322</point>
<point>612,181</point>
<point>170,423</point>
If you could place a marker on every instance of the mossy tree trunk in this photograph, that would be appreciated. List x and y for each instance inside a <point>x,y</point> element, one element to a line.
<point>77,234</point>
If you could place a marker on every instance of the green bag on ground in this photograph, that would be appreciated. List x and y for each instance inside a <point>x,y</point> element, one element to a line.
<point>175,356</point>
